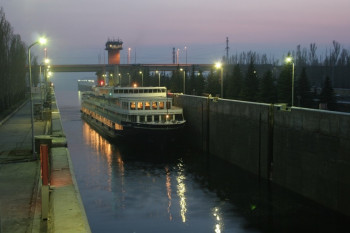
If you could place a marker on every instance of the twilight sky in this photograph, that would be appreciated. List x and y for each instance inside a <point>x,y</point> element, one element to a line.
<point>78,29</point>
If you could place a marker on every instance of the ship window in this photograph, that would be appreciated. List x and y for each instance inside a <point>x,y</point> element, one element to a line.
<point>149,118</point>
<point>139,105</point>
<point>125,105</point>
<point>161,105</point>
<point>163,118</point>
<point>142,118</point>
<point>146,90</point>
<point>147,106</point>
<point>155,105</point>
<point>157,118</point>
<point>178,117</point>
<point>133,118</point>
<point>125,91</point>
<point>168,104</point>
<point>132,105</point>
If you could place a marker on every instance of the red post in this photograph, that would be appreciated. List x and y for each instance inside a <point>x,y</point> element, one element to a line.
<point>44,156</point>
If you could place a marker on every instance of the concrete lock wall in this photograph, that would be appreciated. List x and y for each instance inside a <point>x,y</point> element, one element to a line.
<point>304,150</point>
<point>312,155</point>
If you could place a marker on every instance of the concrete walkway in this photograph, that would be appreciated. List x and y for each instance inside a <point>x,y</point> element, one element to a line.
<point>20,181</point>
<point>19,172</point>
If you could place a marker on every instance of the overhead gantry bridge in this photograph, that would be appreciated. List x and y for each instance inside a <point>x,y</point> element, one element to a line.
<point>127,68</point>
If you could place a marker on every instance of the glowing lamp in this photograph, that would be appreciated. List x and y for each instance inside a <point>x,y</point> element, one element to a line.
<point>218,65</point>
<point>42,40</point>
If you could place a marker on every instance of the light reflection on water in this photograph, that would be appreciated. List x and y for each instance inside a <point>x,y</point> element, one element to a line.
<point>181,189</point>
<point>124,181</point>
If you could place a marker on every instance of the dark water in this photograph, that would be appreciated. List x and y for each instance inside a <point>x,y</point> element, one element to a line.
<point>128,189</point>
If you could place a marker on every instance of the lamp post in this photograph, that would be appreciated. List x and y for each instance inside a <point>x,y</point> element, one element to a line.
<point>184,80</point>
<point>141,78</point>
<point>120,79</point>
<point>289,59</point>
<point>157,72</point>
<point>218,65</point>
<point>129,79</point>
<point>40,41</point>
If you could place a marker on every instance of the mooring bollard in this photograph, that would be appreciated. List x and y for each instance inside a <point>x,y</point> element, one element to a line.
<point>44,158</point>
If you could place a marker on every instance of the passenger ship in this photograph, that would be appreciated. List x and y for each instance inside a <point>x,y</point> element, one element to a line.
<point>133,112</point>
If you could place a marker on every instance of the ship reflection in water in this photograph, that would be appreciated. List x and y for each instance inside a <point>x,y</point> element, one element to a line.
<point>178,191</point>
<point>142,192</point>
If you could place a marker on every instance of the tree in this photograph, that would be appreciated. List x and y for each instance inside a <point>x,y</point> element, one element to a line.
<point>251,83</point>
<point>213,85</point>
<point>267,92</point>
<point>284,85</point>
<point>235,83</point>
<point>303,92</point>
<point>176,81</point>
<point>312,54</point>
<point>12,65</point>
<point>327,95</point>
<point>200,83</point>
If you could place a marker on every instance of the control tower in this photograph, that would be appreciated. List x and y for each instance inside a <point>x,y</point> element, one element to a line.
<point>113,47</point>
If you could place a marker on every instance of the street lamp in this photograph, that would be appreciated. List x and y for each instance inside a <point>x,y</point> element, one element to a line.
<point>120,79</point>
<point>129,79</point>
<point>41,41</point>
<point>141,78</point>
<point>46,61</point>
<point>157,72</point>
<point>184,80</point>
<point>289,59</point>
<point>218,65</point>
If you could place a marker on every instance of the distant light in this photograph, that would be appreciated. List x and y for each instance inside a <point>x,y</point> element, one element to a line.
<point>135,85</point>
<point>47,61</point>
<point>181,69</point>
<point>218,65</point>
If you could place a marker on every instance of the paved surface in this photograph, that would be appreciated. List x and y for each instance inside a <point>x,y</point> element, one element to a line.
<point>19,173</point>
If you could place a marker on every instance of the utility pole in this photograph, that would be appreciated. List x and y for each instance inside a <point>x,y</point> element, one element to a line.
<point>173,55</point>
<point>227,49</point>
<point>129,55</point>
<point>177,56</point>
